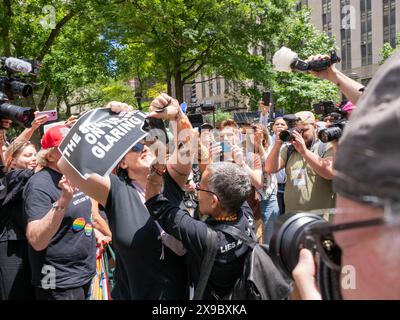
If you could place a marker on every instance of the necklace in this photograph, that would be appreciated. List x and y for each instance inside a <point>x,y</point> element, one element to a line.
<point>226,218</point>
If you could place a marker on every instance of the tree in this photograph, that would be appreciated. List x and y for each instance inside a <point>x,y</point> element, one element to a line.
<point>62,35</point>
<point>387,50</point>
<point>189,36</point>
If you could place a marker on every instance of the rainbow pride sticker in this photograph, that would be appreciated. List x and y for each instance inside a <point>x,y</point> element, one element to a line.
<point>88,229</point>
<point>78,224</point>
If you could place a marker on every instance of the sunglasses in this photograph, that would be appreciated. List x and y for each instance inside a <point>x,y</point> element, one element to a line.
<point>138,147</point>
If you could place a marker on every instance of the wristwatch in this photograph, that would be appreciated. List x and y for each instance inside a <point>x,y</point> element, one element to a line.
<point>57,208</point>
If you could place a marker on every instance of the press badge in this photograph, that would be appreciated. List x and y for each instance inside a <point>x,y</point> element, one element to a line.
<point>299,176</point>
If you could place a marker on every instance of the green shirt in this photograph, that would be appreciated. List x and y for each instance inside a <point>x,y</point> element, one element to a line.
<point>305,190</point>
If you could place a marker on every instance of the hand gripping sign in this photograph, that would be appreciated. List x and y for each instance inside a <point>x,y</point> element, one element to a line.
<point>100,139</point>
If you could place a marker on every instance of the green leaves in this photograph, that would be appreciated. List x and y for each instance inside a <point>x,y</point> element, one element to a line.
<point>91,49</point>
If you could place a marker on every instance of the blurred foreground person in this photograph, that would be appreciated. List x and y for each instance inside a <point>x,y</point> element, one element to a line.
<point>367,180</point>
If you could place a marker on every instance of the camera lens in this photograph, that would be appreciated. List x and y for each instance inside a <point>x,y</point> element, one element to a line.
<point>289,238</point>
<point>21,89</point>
<point>19,115</point>
<point>330,134</point>
<point>286,136</point>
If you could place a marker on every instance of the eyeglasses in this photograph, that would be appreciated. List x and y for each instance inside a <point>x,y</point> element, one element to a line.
<point>197,188</point>
<point>322,236</point>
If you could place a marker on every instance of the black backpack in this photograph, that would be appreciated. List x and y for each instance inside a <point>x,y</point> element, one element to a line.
<point>260,278</point>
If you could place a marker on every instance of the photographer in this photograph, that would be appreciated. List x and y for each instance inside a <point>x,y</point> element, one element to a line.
<point>366,226</point>
<point>26,135</point>
<point>308,165</point>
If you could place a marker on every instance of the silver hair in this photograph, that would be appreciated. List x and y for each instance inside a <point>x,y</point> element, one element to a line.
<point>41,157</point>
<point>230,183</point>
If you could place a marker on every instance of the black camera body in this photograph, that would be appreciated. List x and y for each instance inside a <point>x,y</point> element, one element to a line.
<point>334,132</point>
<point>11,86</point>
<point>318,65</point>
<point>324,108</point>
<point>287,135</point>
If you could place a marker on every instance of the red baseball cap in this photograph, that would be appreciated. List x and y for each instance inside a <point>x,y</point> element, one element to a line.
<point>53,137</point>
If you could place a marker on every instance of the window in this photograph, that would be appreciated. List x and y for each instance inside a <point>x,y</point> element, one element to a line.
<point>211,88</point>
<point>366,32</point>
<point>203,87</point>
<point>227,104</point>
<point>227,86</point>
<point>327,16</point>
<point>218,86</point>
<point>345,35</point>
<point>389,22</point>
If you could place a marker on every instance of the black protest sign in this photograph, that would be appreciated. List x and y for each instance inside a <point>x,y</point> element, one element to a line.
<point>100,139</point>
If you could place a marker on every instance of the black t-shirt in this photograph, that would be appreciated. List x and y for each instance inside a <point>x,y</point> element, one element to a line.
<point>72,250</point>
<point>231,253</point>
<point>144,269</point>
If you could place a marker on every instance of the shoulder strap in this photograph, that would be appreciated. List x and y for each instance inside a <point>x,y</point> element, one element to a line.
<point>290,151</point>
<point>236,233</point>
<point>206,264</point>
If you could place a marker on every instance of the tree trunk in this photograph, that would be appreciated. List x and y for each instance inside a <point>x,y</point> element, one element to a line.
<point>169,83</point>
<point>44,98</point>
<point>5,32</point>
<point>67,108</point>
<point>58,108</point>
<point>178,86</point>
<point>53,35</point>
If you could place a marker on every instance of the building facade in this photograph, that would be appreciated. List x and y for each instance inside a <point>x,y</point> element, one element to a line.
<point>360,27</point>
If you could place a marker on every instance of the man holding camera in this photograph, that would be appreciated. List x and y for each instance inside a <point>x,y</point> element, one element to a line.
<point>308,165</point>
<point>366,226</point>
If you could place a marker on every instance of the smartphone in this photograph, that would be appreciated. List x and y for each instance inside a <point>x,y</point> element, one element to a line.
<point>52,114</point>
<point>226,146</point>
<point>267,98</point>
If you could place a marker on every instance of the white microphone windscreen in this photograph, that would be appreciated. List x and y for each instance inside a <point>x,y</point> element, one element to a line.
<point>283,59</point>
<point>18,65</point>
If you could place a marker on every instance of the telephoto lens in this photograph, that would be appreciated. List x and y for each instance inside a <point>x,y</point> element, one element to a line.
<point>291,234</point>
<point>20,115</point>
<point>330,134</point>
<point>289,238</point>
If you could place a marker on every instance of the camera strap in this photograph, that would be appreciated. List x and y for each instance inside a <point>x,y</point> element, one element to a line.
<point>329,282</point>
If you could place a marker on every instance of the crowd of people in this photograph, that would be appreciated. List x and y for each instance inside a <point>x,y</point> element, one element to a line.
<point>156,207</point>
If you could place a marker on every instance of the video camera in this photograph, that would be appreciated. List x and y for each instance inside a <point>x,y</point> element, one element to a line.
<point>286,60</point>
<point>293,232</point>
<point>339,117</point>
<point>11,86</point>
